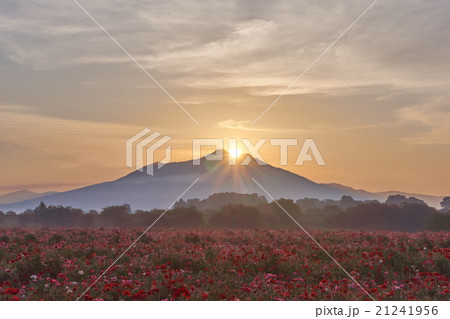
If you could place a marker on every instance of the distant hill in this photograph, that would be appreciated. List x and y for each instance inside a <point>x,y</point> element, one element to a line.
<point>431,200</point>
<point>145,192</point>
<point>20,196</point>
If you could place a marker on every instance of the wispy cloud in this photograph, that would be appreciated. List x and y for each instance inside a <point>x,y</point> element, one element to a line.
<point>74,140</point>
<point>245,126</point>
<point>261,47</point>
<point>432,122</point>
<point>241,126</point>
<point>387,79</point>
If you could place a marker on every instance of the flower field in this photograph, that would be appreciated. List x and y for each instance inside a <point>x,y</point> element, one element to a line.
<point>59,264</point>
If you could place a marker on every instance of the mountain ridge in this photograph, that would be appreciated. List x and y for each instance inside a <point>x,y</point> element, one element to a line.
<point>142,191</point>
<point>21,195</point>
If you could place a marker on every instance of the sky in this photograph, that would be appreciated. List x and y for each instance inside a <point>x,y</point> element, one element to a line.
<point>376,104</point>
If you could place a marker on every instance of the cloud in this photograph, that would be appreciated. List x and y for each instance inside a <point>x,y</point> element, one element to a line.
<point>227,61</point>
<point>66,142</point>
<point>240,44</point>
<point>15,108</point>
<point>241,126</point>
<point>247,127</point>
<point>432,120</point>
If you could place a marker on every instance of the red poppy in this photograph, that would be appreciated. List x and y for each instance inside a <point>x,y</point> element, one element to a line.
<point>182,291</point>
<point>12,291</point>
<point>126,293</point>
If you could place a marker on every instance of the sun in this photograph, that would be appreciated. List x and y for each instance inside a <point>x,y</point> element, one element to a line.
<point>234,152</point>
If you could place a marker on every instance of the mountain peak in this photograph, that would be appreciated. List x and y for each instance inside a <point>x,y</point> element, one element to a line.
<point>219,151</point>
<point>228,159</point>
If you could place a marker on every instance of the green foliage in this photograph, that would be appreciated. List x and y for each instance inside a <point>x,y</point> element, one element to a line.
<point>424,242</point>
<point>28,267</point>
<point>30,238</point>
<point>439,222</point>
<point>192,239</point>
<point>443,265</point>
<point>56,238</point>
<point>225,264</point>
<point>146,239</point>
<point>396,260</point>
<point>256,213</point>
<point>407,217</point>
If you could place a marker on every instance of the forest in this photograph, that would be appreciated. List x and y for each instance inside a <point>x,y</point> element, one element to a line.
<point>248,211</point>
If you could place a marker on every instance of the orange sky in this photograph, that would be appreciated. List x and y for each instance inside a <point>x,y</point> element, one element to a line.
<point>376,104</point>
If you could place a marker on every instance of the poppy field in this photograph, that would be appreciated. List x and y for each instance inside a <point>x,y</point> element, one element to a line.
<point>60,264</point>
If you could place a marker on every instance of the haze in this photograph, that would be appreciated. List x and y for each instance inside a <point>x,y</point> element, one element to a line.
<point>376,104</point>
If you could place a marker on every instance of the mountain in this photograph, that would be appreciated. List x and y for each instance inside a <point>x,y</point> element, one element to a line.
<point>143,191</point>
<point>431,200</point>
<point>22,195</point>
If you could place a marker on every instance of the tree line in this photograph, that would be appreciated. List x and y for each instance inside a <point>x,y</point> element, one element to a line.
<point>231,210</point>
